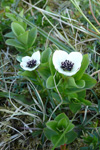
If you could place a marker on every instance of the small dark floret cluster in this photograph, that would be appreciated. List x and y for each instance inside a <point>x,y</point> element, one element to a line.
<point>31,63</point>
<point>67,65</point>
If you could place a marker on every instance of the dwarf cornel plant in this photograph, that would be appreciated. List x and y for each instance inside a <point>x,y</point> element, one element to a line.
<point>58,72</point>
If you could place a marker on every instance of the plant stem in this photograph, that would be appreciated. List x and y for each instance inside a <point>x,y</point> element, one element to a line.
<point>63,147</point>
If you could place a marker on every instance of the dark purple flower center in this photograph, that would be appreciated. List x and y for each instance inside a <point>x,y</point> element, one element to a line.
<point>67,65</point>
<point>31,63</point>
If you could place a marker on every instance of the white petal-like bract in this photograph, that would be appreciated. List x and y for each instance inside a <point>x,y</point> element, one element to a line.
<point>60,56</point>
<point>36,56</point>
<point>26,59</point>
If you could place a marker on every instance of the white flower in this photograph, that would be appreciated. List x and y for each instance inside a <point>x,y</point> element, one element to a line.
<point>31,63</point>
<point>67,64</point>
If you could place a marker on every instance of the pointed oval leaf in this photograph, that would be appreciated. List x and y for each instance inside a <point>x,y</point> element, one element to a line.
<point>50,83</point>
<point>74,107</point>
<point>84,65</point>
<point>82,94</point>
<point>85,102</point>
<point>17,29</point>
<point>89,81</point>
<point>62,123</point>
<point>52,68</point>
<point>44,71</point>
<point>21,14</point>
<point>55,138</point>
<point>77,84</point>
<point>29,74</point>
<point>70,136</point>
<point>11,16</point>
<point>20,98</point>
<point>32,36</point>
<point>23,38</point>
<point>69,127</point>
<point>49,133</point>
<point>46,55</point>
<point>10,35</point>
<point>61,139</point>
<point>14,43</point>
<point>23,24</point>
<point>60,116</point>
<point>52,125</point>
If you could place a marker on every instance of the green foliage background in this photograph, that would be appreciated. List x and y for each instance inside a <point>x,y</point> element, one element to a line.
<point>64,27</point>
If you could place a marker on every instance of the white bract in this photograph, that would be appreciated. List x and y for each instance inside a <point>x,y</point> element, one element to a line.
<point>63,60</point>
<point>31,63</point>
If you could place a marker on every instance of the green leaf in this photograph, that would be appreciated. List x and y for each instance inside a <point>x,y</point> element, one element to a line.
<point>76,86</point>
<point>19,58</point>
<point>62,123</point>
<point>52,125</point>
<point>46,55</point>
<point>85,102</point>
<point>23,24</point>
<point>72,83</point>
<point>50,82</point>
<point>72,96</point>
<point>60,116</point>
<point>55,138</point>
<point>23,38</point>
<point>17,28</point>
<point>74,107</point>
<point>61,139</point>
<point>11,16</point>
<point>82,94</point>
<point>44,71</point>
<point>10,35</point>
<point>84,65</point>
<point>69,127</point>
<point>70,136</point>
<point>49,133</point>
<point>30,74</point>
<point>56,97</point>
<point>52,69</point>
<point>21,14</point>
<point>15,43</point>
<point>20,98</point>
<point>73,90</point>
<point>32,36</point>
<point>89,81</point>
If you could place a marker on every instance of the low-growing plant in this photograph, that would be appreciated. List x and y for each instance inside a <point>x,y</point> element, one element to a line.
<point>60,77</point>
<point>49,55</point>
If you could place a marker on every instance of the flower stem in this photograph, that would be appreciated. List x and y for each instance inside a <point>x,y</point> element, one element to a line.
<point>63,147</point>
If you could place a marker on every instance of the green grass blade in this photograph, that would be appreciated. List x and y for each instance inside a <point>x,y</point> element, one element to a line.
<point>58,43</point>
